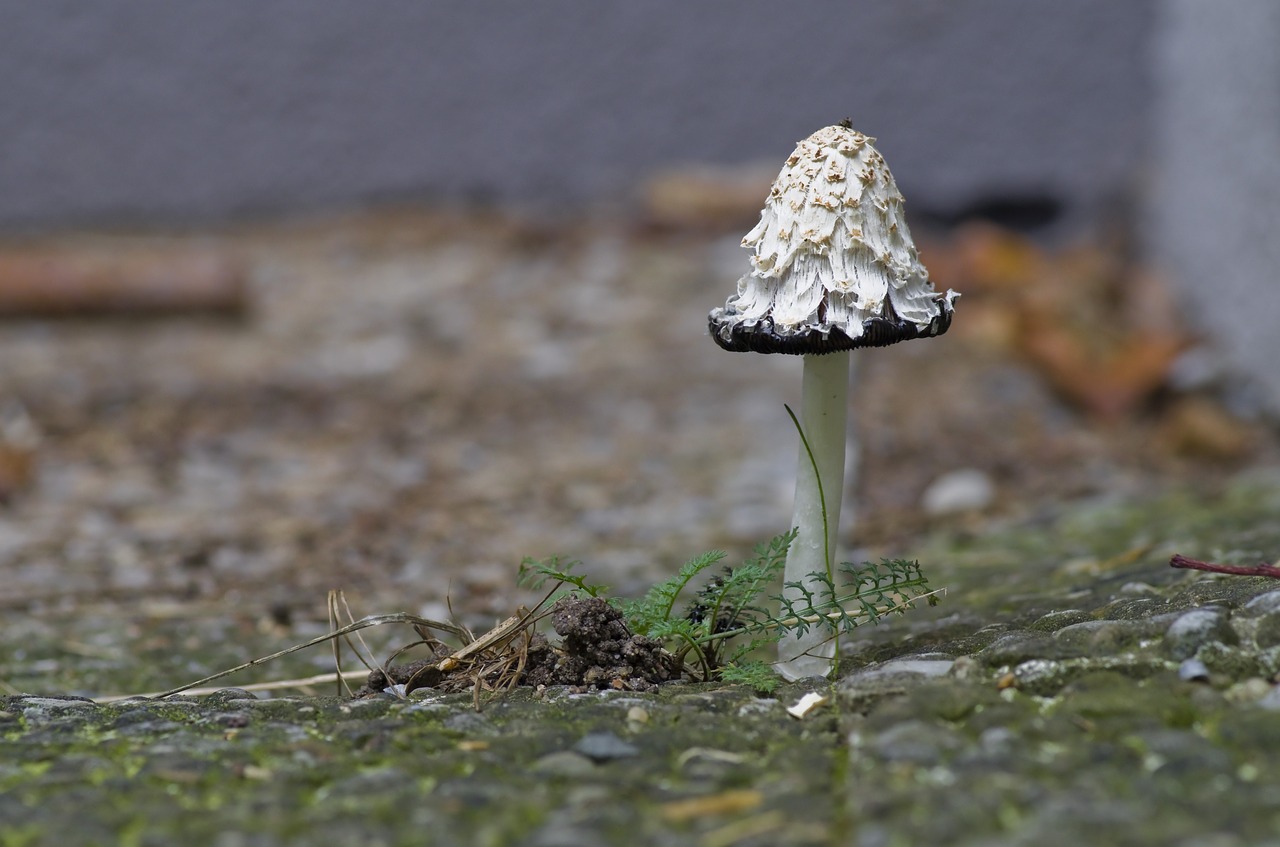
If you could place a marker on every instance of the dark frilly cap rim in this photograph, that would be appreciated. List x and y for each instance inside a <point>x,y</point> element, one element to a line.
<point>763,337</point>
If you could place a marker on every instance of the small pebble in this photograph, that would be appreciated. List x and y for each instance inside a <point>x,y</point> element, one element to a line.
<point>1252,690</point>
<point>1194,629</point>
<point>1263,604</point>
<point>964,490</point>
<point>1271,700</point>
<point>604,746</point>
<point>1042,677</point>
<point>1193,670</point>
<point>907,667</point>
<point>757,707</point>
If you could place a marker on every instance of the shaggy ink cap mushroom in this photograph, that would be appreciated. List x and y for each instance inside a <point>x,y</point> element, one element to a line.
<point>833,266</point>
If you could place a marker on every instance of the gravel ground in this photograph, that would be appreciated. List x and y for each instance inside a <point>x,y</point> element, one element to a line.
<point>414,403</point>
<point>1071,688</point>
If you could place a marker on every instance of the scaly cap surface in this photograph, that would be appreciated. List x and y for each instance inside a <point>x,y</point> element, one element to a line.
<point>833,266</point>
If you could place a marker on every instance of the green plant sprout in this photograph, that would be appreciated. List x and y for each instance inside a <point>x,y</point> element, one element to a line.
<point>712,631</point>
<point>719,626</point>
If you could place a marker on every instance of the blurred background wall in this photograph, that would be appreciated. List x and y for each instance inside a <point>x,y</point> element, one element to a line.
<point>153,111</point>
<point>1151,117</point>
<point>1213,208</point>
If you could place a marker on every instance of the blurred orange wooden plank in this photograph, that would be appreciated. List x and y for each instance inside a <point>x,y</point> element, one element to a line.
<point>132,282</point>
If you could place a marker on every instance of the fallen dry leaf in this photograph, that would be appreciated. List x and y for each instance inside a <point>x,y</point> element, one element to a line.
<point>725,803</point>
<point>1102,332</point>
<point>1198,428</point>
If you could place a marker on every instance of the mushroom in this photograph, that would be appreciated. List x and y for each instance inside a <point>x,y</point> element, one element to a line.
<point>833,269</point>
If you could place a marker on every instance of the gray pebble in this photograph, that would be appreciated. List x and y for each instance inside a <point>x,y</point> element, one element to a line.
<point>997,738</point>
<point>907,667</point>
<point>1193,670</point>
<point>604,746</point>
<point>228,694</point>
<point>563,833</point>
<point>1054,621</point>
<point>1271,700</point>
<point>1042,677</point>
<point>1094,637</point>
<point>53,703</point>
<point>1014,647</point>
<point>1263,604</point>
<point>467,722</point>
<point>1193,629</point>
<point>964,490</point>
<point>563,763</point>
<point>378,782</point>
<point>915,742</point>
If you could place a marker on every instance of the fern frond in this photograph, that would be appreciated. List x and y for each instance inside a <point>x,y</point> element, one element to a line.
<point>742,652</point>
<point>727,607</point>
<point>677,628</point>
<point>876,590</point>
<point>535,573</point>
<point>656,605</point>
<point>759,675</point>
<point>749,580</point>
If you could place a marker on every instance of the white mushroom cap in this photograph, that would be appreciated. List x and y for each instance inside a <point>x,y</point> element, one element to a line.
<point>833,264</point>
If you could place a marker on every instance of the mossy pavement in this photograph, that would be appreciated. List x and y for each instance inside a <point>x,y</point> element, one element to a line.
<point>1070,689</point>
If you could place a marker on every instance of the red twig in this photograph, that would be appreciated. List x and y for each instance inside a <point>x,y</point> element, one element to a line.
<point>1260,569</point>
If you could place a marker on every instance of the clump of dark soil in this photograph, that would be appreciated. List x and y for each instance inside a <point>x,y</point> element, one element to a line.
<point>597,650</point>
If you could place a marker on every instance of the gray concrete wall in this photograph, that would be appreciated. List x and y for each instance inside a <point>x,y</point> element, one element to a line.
<point>1215,204</point>
<point>167,111</point>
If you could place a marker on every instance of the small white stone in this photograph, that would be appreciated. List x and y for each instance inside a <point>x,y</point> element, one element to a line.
<point>807,704</point>
<point>964,490</point>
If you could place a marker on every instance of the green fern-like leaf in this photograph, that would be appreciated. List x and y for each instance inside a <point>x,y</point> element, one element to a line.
<point>869,592</point>
<point>758,675</point>
<point>655,607</point>
<point>727,608</point>
<point>673,628</point>
<point>535,573</point>
<point>731,602</point>
<point>742,652</point>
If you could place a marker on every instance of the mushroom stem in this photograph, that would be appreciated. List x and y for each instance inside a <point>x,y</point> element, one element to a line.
<point>824,405</point>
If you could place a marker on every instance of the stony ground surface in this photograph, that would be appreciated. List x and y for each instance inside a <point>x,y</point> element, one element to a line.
<point>1070,689</point>
<point>414,404</point>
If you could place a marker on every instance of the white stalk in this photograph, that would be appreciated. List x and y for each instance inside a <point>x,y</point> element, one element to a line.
<point>824,406</point>
<point>833,267</point>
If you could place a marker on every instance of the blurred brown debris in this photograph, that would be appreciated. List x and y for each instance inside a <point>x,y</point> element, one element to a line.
<point>19,440</point>
<point>1102,332</point>
<point>1198,428</point>
<point>120,281</point>
<point>703,198</point>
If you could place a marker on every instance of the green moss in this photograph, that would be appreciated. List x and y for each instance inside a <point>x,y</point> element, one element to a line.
<point>28,835</point>
<point>1096,728</point>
